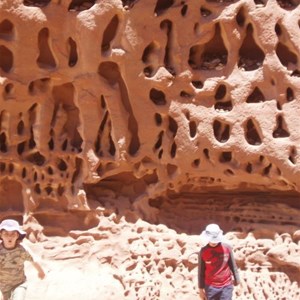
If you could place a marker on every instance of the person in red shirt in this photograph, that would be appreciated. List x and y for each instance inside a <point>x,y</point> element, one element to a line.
<point>217,270</point>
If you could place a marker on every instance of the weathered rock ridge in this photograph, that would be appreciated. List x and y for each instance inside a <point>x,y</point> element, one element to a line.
<point>127,126</point>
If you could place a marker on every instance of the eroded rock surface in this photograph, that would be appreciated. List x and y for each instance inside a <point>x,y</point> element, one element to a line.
<point>127,126</point>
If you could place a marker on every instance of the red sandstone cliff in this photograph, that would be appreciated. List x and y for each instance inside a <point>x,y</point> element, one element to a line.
<point>127,126</point>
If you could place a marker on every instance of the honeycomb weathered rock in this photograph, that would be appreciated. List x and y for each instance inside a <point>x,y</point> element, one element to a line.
<point>176,112</point>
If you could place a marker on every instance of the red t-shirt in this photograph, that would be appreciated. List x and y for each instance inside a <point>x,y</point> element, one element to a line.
<point>216,266</point>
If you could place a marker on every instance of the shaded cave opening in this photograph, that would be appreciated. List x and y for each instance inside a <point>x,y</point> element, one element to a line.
<point>109,34</point>
<point>6,59</point>
<point>6,30</point>
<point>263,213</point>
<point>61,223</point>
<point>81,5</point>
<point>211,56</point>
<point>11,199</point>
<point>111,74</point>
<point>250,53</point>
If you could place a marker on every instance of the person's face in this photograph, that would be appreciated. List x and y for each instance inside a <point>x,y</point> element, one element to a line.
<point>9,238</point>
<point>213,244</point>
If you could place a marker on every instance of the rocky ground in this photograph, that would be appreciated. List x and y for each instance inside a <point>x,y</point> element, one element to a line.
<point>139,260</point>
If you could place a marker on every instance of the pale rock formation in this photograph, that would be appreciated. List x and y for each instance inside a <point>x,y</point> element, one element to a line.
<point>127,126</point>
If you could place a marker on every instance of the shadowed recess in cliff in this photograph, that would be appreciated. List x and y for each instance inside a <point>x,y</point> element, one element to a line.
<point>222,103</point>
<point>80,5</point>
<point>6,59</point>
<point>166,26</point>
<point>111,73</point>
<point>3,143</point>
<point>6,30</point>
<point>127,4</point>
<point>151,57</point>
<point>240,17</point>
<point>293,155</point>
<point>61,223</point>
<point>104,145</point>
<point>158,97</point>
<point>109,34</point>
<point>162,6</point>
<point>170,136</point>
<point>37,3</point>
<point>286,56</point>
<point>211,56</point>
<point>65,118</point>
<point>290,95</point>
<point>173,127</point>
<point>251,55</point>
<point>192,125</point>
<point>281,130</point>
<point>41,85</point>
<point>4,121</point>
<point>11,199</point>
<point>189,212</point>
<point>73,56</point>
<point>77,172</point>
<point>45,59</point>
<point>288,4</point>
<point>124,184</point>
<point>251,133</point>
<point>256,96</point>
<point>32,117</point>
<point>27,130</point>
<point>59,205</point>
<point>285,49</point>
<point>9,91</point>
<point>221,131</point>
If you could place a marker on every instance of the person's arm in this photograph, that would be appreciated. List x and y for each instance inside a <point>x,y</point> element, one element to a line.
<point>39,269</point>
<point>233,267</point>
<point>202,294</point>
<point>201,273</point>
<point>37,266</point>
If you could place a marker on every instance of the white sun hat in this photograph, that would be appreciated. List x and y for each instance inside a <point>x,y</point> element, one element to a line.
<point>212,234</point>
<point>12,225</point>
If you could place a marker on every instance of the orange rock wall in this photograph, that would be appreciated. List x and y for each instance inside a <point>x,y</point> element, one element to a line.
<point>176,112</point>
<point>166,95</point>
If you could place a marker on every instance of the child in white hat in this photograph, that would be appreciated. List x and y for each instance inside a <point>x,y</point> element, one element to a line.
<point>13,283</point>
